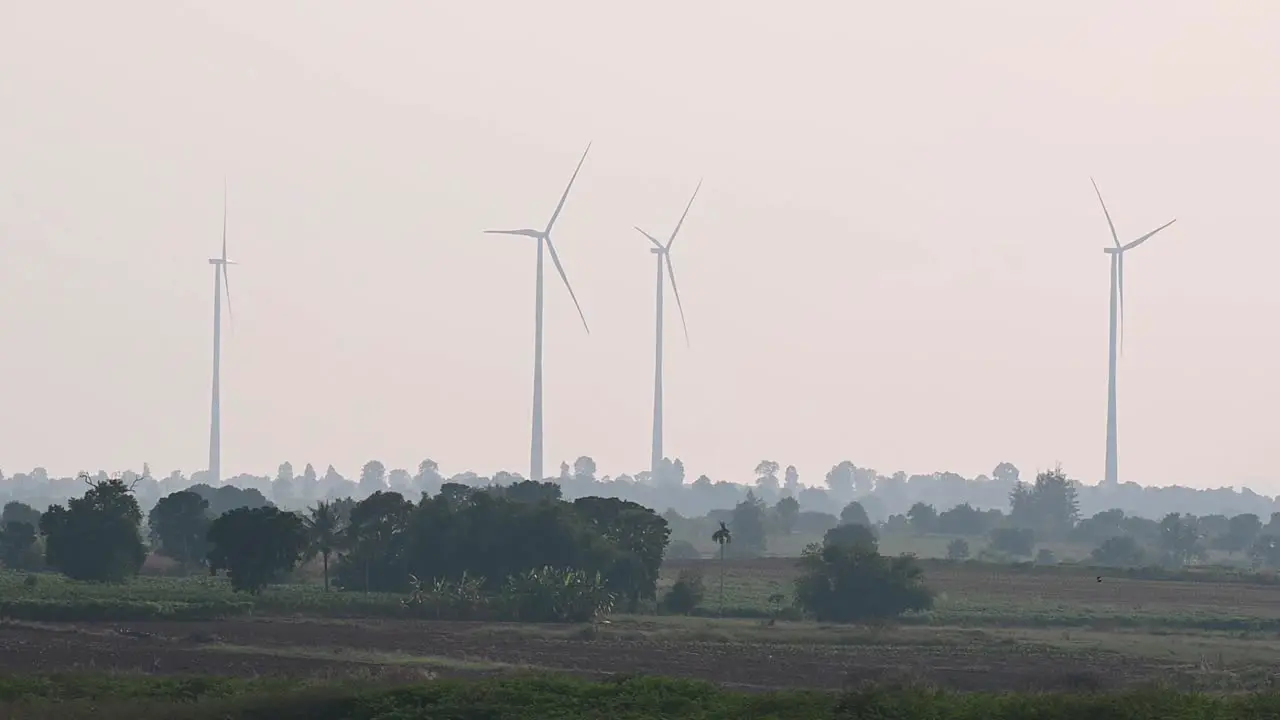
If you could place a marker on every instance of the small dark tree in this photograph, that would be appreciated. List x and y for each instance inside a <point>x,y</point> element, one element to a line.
<point>854,514</point>
<point>1119,551</point>
<point>96,536</point>
<point>855,535</point>
<point>1014,541</point>
<point>838,583</point>
<point>180,525</point>
<point>749,527</point>
<point>18,546</point>
<point>958,549</point>
<point>787,510</point>
<point>15,511</point>
<point>685,594</point>
<point>256,546</point>
<point>923,518</point>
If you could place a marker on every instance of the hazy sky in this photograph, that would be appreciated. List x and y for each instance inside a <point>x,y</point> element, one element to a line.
<point>896,257</point>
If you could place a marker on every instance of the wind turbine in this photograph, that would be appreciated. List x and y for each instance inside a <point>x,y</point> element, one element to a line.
<point>1116,331</point>
<point>219,282</point>
<point>544,240</point>
<point>664,259</point>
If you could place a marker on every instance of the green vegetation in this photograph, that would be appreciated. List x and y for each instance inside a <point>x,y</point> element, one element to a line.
<point>539,697</point>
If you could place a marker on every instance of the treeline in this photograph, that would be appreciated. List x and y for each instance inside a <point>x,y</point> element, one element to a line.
<point>502,552</point>
<point>1044,511</point>
<point>499,539</point>
<point>881,494</point>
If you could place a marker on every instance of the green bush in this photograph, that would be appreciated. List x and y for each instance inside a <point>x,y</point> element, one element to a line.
<point>850,584</point>
<point>686,594</point>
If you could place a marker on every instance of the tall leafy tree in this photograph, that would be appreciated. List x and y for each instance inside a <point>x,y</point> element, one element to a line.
<point>96,536</point>
<point>373,477</point>
<point>375,555</point>
<point>18,546</point>
<point>767,477</point>
<point>324,533</point>
<point>787,510</point>
<point>256,546</point>
<point>180,525</point>
<point>749,526</point>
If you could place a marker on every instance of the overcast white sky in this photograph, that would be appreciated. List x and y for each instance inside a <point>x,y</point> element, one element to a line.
<point>895,258</point>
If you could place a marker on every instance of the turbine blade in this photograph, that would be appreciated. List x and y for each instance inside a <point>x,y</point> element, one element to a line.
<point>652,239</point>
<point>671,273</point>
<point>568,187</point>
<point>1120,287</point>
<point>1114,237</point>
<point>1144,238</point>
<point>224,219</point>
<point>527,233</point>
<point>686,213</point>
<point>560,269</point>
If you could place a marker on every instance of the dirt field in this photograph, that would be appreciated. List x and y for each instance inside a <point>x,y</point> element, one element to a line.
<point>310,649</point>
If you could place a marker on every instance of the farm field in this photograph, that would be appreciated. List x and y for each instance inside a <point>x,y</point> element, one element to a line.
<point>994,628</point>
<point>977,594</point>
<point>734,655</point>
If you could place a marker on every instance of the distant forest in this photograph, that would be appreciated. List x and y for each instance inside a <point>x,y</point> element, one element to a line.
<point>882,496</point>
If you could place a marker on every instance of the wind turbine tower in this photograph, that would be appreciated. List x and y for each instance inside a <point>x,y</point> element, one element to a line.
<point>544,241</point>
<point>1116,252</point>
<point>663,253</point>
<point>219,283</point>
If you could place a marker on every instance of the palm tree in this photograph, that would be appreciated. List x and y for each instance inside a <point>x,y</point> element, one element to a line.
<point>722,537</point>
<point>325,533</point>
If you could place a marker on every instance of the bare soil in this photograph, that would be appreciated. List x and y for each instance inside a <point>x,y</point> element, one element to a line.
<point>315,648</point>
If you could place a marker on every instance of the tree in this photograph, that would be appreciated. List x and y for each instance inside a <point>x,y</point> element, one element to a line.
<point>923,518</point>
<point>584,469</point>
<point>749,527</point>
<point>1014,541</point>
<point>791,481</point>
<point>375,537</point>
<point>722,537</point>
<point>962,519</point>
<point>1242,532</point>
<point>180,525</point>
<point>852,535</point>
<point>840,583</point>
<point>1266,551</point>
<point>15,511</point>
<point>256,546</point>
<point>96,536</point>
<point>324,533</point>
<point>284,489</point>
<point>787,511</point>
<point>854,514</point>
<point>767,476</point>
<point>18,546</point>
<point>1005,472</point>
<point>958,549</point>
<point>1179,539</point>
<point>638,535</point>
<point>373,477</point>
<point>1119,551</point>
<point>840,479</point>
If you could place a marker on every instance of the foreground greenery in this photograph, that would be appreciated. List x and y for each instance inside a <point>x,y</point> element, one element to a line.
<point>554,697</point>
